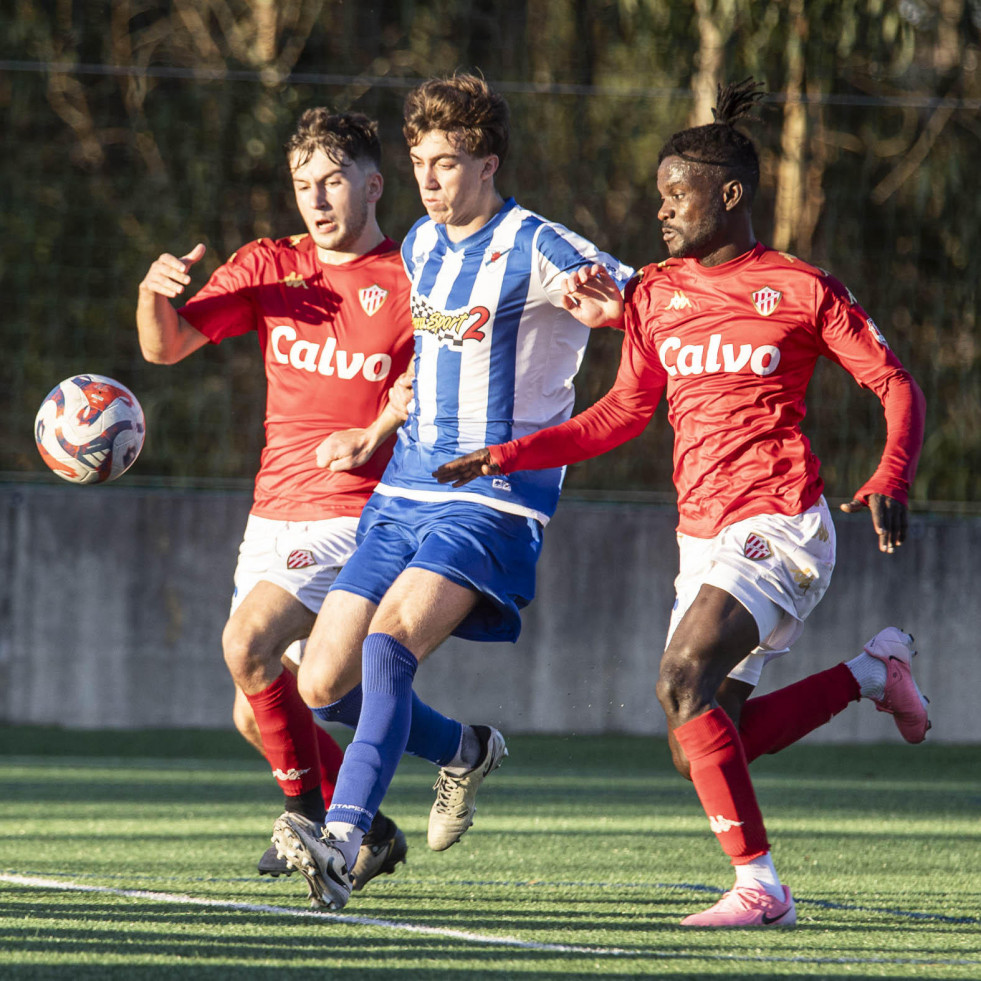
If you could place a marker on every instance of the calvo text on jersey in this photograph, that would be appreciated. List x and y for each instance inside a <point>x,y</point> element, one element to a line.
<point>679,358</point>
<point>326,359</point>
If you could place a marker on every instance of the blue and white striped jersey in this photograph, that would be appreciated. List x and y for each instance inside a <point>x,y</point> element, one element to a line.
<point>494,357</point>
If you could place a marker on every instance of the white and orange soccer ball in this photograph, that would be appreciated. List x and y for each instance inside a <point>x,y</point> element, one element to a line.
<point>89,429</point>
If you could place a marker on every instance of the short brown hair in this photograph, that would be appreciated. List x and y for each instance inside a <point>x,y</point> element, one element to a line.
<point>464,105</point>
<point>337,134</point>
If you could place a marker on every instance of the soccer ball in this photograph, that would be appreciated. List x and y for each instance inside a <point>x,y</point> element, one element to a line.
<point>89,429</point>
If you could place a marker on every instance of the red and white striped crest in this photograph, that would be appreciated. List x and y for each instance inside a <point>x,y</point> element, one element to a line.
<point>372,297</point>
<point>766,300</point>
<point>300,558</point>
<point>756,547</point>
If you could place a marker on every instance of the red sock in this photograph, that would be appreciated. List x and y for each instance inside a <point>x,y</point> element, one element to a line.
<point>331,756</point>
<point>721,777</point>
<point>289,735</point>
<point>775,721</point>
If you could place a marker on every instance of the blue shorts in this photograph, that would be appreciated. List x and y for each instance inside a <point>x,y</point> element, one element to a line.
<point>473,545</point>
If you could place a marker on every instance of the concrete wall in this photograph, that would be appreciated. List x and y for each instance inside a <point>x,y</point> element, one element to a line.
<point>114,598</point>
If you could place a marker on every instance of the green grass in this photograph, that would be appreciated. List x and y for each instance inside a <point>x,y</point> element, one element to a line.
<point>591,844</point>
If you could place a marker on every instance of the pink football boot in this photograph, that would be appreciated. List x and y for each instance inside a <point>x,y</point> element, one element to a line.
<point>747,906</point>
<point>901,698</point>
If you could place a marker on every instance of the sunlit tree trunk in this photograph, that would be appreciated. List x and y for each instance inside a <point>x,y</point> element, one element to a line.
<point>793,136</point>
<point>715,23</point>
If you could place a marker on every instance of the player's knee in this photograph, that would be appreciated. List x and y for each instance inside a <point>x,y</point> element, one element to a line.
<point>310,682</point>
<point>667,695</point>
<point>243,655</point>
<point>319,690</point>
<point>327,673</point>
<point>679,690</point>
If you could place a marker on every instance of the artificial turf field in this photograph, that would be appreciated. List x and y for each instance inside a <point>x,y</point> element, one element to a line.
<point>131,855</point>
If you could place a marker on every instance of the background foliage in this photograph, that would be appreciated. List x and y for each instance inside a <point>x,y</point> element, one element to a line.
<point>131,128</point>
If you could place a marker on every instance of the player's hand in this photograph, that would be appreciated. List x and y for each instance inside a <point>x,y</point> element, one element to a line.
<point>168,275</point>
<point>345,450</point>
<point>465,468</point>
<point>400,394</point>
<point>890,518</point>
<point>592,296</point>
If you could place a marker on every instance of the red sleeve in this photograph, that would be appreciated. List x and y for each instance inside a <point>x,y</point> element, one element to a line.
<point>223,307</point>
<point>619,416</point>
<point>905,410</point>
<point>852,339</point>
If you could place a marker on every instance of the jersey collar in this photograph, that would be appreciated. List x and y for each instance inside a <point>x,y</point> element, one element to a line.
<point>482,235</point>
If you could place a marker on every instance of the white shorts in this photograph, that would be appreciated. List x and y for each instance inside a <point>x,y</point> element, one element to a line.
<point>777,566</point>
<point>302,557</point>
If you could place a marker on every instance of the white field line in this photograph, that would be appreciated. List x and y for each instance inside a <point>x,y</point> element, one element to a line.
<point>466,935</point>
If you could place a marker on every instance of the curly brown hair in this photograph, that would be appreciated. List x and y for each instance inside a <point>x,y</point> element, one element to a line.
<point>337,134</point>
<point>464,106</point>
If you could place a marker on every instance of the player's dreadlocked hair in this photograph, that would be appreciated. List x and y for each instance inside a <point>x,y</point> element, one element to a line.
<point>720,144</point>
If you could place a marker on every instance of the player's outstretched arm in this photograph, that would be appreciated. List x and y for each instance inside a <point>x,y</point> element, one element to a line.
<point>165,336</point>
<point>465,468</point>
<point>592,296</point>
<point>350,448</point>
<point>890,519</point>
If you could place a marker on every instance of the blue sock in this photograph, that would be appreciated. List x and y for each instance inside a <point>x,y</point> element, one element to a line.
<point>369,764</point>
<point>432,736</point>
<point>346,710</point>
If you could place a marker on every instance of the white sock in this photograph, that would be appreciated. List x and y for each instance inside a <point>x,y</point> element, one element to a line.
<point>347,839</point>
<point>760,872</point>
<point>870,673</point>
<point>467,753</point>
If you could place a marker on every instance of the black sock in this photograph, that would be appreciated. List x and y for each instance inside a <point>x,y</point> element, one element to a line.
<point>310,804</point>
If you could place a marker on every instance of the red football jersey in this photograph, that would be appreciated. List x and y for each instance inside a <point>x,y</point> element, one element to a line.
<point>333,339</point>
<point>733,347</point>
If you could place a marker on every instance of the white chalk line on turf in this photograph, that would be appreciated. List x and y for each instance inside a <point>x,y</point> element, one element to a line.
<point>908,914</point>
<point>479,938</point>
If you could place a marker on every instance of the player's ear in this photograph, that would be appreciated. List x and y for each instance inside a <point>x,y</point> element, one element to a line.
<point>490,165</point>
<point>732,194</point>
<point>374,186</point>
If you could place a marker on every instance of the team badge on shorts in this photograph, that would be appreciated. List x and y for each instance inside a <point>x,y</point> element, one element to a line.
<point>300,558</point>
<point>756,547</point>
